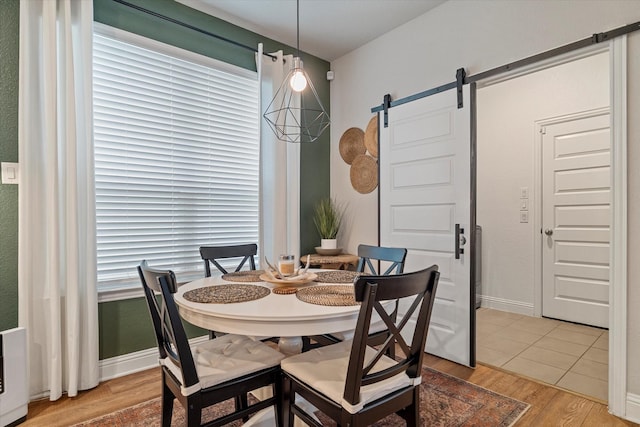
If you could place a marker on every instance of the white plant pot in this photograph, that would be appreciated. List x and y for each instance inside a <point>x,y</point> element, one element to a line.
<point>329,243</point>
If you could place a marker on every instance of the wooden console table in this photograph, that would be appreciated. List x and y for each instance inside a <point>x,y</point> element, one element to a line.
<point>336,262</point>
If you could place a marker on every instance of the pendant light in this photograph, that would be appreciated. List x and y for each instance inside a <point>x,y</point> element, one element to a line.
<point>292,120</point>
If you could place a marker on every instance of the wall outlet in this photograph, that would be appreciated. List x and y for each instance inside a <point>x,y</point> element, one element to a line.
<point>524,192</point>
<point>10,173</point>
<point>524,216</point>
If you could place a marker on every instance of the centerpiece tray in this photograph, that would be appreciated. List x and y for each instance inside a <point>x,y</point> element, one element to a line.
<point>308,277</point>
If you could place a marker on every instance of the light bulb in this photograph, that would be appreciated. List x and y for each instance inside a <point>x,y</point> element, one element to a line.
<point>298,81</point>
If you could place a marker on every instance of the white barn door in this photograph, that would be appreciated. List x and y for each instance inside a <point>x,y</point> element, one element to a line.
<point>425,195</point>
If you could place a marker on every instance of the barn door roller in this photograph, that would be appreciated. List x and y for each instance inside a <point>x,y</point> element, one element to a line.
<point>386,104</point>
<point>460,81</point>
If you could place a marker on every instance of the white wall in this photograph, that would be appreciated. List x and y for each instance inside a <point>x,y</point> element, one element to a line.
<point>479,35</point>
<point>506,142</point>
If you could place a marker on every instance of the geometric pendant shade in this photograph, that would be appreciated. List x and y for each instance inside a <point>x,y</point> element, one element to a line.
<point>297,121</point>
<point>296,114</point>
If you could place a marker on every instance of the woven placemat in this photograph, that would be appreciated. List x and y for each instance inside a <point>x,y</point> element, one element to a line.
<point>327,295</point>
<point>227,294</point>
<point>243,276</point>
<point>336,276</point>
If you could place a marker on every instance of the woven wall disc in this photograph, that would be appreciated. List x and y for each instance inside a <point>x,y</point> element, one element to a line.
<point>364,174</point>
<point>352,144</point>
<point>371,136</point>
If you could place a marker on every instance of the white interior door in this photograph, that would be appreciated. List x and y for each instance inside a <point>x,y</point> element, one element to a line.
<point>576,218</point>
<point>425,190</point>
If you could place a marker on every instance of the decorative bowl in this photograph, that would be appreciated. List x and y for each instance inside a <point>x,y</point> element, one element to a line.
<point>328,252</point>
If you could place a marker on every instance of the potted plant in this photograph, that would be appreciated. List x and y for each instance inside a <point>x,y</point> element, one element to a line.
<point>327,218</point>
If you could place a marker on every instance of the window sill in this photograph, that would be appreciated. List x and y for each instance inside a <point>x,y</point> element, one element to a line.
<point>119,293</point>
<point>128,289</point>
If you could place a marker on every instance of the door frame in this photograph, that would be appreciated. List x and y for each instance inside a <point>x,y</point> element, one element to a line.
<point>619,403</point>
<point>618,253</point>
<point>617,49</point>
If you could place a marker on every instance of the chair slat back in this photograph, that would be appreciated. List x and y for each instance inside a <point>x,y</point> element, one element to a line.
<point>395,256</point>
<point>372,292</point>
<point>170,334</point>
<point>211,255</point>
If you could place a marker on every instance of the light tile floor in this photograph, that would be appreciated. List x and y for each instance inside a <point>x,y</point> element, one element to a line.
<point>574,357</point>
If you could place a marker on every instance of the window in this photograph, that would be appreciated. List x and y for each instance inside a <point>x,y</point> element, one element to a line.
<point>176,156</point>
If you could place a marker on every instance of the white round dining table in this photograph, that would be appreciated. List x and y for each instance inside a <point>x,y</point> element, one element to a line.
<point>274,315</point>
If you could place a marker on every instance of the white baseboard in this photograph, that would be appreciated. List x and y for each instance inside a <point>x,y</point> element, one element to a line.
<point>129,363</point>
<point>137,361</point>
<point>506,305</point>
<point>632,412</point>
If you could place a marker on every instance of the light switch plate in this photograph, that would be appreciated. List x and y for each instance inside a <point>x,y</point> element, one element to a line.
<point>524,192</point>
<point>524,204</point>
<point>524,216</point>
<point>10,173</point>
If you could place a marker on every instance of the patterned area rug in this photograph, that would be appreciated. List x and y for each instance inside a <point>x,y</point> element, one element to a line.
<point>446,401</point>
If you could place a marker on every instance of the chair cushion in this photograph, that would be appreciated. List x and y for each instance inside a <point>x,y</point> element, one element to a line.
<point>227,357</point>
<point>325,370</point>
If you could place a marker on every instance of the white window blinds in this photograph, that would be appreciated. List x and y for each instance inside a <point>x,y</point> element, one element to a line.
<point>176,158</point>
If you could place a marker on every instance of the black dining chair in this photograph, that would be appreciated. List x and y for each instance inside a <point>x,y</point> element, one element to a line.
<point>395,257</point>
<point>217,370</point>
<point>372,259</point>
<point>354,383</point>
<point>213,254</point>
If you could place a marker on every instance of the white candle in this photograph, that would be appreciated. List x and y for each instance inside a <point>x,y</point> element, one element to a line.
<point>286,264</point>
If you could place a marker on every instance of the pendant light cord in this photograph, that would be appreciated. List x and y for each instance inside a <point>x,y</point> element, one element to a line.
<point>298,28</point>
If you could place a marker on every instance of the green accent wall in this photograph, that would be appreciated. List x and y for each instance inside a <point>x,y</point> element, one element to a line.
<point>9,30</point>
<point>125,325</point>
<point>314,163</point>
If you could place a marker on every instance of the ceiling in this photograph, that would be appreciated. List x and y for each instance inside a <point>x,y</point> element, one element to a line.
<point>328,28</point>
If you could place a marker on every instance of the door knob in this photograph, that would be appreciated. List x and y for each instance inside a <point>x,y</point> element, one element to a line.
<point>548,231</point>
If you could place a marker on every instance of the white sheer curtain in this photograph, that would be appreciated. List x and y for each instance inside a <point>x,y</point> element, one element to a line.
<point>56,235</point>
<point>279,168</point>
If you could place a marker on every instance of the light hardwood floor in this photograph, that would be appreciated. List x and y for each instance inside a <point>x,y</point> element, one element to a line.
<point>550,406</point>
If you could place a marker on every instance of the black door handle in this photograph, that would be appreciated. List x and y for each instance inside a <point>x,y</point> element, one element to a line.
<point>459,237</point>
